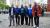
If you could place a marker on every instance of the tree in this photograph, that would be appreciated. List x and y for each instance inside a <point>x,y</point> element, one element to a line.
<point>6,6</point>
<point>3,4</point>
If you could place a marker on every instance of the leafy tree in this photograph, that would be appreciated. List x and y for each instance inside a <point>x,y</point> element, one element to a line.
<point>3,4</point>
<point>6,6</point>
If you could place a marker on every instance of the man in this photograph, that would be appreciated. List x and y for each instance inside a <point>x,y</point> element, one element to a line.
<point>26,14</point>
<point>22,14</point>
<point>30,15</point>
<point>36,10</point>
<point>11,15</point>
<point>17,11</point>
<point>43,10</point>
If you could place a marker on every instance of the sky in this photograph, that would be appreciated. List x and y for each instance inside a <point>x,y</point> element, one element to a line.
<point>8,1</point>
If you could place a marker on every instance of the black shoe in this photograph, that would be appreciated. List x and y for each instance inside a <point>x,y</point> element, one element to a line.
<point>21,24</point>
<point>28,24</point>
<point>9,25</point>
<point>32,25</point>
<point>37,26</point>
<point>18,24</point>
<point>13,25</point>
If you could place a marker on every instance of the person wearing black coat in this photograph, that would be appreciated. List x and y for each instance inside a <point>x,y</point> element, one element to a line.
<point>11,15</point>
<point>26,15</point>
<point>22,13</point>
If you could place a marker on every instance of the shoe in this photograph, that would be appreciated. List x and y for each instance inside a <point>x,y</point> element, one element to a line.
<point>34,26</point>
<point>28,25</point>
<point>37,27</point>
<point>18,24</point>
<point>9,25</point>
<point>13,25</point>
<point>21,24</point>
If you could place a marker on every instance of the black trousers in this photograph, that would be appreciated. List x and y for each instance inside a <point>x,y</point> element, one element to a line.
<point>26,19</point>
<point>17,17</point>
<point>11,19</point>
<point>22,19</point>
<point>36,20</point>
<point>42,13</point>
<point>31,19</point>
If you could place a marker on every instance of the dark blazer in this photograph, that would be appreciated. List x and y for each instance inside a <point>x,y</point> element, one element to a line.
<point>17,10</point>
<point>26,10</point>
<point>10,10</point>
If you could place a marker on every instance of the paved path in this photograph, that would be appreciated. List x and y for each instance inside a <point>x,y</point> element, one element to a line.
<point>4,22</point>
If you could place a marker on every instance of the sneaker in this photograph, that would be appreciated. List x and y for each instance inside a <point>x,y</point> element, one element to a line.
<point>34,26</point>
<point>37,27</point>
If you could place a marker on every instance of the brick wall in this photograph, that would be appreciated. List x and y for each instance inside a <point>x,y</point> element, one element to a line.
<point>48,6</point>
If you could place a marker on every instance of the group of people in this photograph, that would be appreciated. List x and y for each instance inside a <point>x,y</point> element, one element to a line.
<point>25,13</point>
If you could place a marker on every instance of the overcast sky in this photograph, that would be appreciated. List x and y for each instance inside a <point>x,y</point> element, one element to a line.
<point>8,1</point>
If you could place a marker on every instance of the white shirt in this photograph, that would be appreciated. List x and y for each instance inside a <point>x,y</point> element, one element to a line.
<point>29,8</point>
<point>11,11</point>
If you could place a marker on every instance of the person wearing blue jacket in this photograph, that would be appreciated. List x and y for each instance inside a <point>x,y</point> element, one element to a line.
<point>30,15</point>
<point>17,13</point>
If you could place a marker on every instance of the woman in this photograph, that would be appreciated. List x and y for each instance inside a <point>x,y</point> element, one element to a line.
<point>36,12</point>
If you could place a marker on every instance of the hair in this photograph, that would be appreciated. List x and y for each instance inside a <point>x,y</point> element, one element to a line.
<point>30,5</point>
<point>22,6</point>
